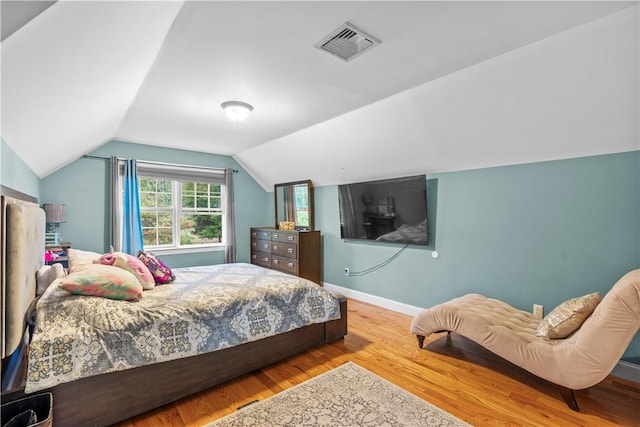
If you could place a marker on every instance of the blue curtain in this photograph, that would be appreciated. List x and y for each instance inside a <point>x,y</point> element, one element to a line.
<point>132,237</point>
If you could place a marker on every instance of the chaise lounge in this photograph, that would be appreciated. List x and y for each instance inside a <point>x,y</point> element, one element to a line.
<point>575,347</point>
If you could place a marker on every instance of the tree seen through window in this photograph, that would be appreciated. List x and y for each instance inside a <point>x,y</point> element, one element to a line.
<point>177,213</point>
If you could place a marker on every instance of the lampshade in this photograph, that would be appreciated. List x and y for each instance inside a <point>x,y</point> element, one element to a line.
<point>54,213</point>
<point>237,111</point>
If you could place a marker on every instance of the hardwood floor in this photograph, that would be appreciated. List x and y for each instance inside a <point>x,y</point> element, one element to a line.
<point>379,341</point>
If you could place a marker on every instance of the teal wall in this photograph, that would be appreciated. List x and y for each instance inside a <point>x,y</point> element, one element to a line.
<point>83,186</point>
<point>16,174</point>
<point>536,233</point>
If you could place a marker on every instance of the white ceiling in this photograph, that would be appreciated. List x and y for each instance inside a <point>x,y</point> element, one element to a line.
<point>15,14</point>
<point>82,73</point>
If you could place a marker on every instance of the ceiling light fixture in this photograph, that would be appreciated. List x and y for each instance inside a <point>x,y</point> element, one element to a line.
<point>237,111</point>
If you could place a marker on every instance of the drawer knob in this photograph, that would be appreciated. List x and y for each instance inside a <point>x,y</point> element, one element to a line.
<point>290,238</point>
<point>290,265</point>
<point>290,250</point>
<point>254,257</point>
<point>266,259</point>
<point>275,261</point>
<point>275,247</point>
<point>275,236</point>
<point>266,246</point>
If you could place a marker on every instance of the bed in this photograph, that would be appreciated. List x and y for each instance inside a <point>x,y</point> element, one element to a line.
<point>131,382</point>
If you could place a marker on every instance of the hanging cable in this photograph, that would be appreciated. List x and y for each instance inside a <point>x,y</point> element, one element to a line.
<point>376,267</point>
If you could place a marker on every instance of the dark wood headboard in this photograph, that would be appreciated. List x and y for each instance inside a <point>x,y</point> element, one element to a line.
<point>10,192</point>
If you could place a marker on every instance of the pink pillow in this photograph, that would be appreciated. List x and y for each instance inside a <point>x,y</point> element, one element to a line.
<point>102,281</point>
<point>130,263</point>
<point>161,273</point>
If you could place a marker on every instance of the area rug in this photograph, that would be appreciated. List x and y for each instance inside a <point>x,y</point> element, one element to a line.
<point>345,396</point>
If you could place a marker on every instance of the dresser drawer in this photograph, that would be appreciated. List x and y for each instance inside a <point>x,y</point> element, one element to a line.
<point>288,250</point>
<point>261,234</point>
<point>261,258</point>
<point>278,236</point>
<point>261,245</point>
<point>288,265</point>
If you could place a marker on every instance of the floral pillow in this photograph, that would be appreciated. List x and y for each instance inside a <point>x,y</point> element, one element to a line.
<point>130,263</point>
<point>568,316</point>
<point>102,281</point>
<point>161,273</point>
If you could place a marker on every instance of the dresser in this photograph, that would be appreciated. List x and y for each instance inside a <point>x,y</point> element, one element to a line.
<point>293,252</point>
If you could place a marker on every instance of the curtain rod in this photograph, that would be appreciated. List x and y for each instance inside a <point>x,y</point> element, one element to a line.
<point>87,156</point>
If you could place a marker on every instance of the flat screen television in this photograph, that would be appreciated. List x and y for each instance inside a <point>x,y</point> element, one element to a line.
<point>389,210</point>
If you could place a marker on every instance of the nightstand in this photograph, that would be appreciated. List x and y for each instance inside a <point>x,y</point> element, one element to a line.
<point>61,252</point>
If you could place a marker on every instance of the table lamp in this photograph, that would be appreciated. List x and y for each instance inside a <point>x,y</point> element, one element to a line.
<point>55,214</point>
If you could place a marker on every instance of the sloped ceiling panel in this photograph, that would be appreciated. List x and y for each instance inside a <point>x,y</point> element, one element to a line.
<point>263,53</point>
<point>155,72</point>
<point>15,14</point>
<point>571,95</point>
<point>70,75</point>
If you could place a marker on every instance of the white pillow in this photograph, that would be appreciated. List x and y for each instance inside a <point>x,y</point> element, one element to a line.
<point>46,275</point>
<point>78,258</point>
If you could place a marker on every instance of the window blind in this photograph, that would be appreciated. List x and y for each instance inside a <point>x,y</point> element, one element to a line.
<point>182,172</point>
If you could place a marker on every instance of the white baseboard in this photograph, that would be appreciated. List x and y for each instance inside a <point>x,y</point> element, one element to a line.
<point>389,304</point>
<point>626,370</point>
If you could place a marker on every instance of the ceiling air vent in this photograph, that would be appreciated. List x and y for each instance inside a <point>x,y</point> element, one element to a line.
<point>347,42</point>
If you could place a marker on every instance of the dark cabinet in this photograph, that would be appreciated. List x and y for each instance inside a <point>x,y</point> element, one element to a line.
<point>294,252</point>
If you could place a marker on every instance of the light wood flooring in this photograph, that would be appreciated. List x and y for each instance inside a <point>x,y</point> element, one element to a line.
<point>379,341</point>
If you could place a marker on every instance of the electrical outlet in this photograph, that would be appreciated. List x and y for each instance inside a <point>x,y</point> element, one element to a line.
<point>346,271</point>
<point>538,311</point>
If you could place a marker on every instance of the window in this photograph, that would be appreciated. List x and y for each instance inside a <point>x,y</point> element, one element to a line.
<point>179,214</point>
<point>201,215</point>
<point>301,204</point>
<point>183,208</point>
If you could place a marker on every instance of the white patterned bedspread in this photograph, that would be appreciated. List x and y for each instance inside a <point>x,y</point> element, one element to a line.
<point>206,309</point>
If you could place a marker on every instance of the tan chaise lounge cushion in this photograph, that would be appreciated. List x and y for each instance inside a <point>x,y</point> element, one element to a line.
<point>579,361</point>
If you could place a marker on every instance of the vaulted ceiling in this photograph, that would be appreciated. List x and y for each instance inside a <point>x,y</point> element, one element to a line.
<point>82,73</point>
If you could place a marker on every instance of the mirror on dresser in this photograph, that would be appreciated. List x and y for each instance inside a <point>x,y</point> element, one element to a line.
<point>294,203</point>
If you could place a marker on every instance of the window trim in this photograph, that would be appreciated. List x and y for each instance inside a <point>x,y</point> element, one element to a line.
<point>211,247</point>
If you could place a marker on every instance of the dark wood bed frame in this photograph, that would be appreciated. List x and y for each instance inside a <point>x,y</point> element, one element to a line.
<point>105,399</point>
